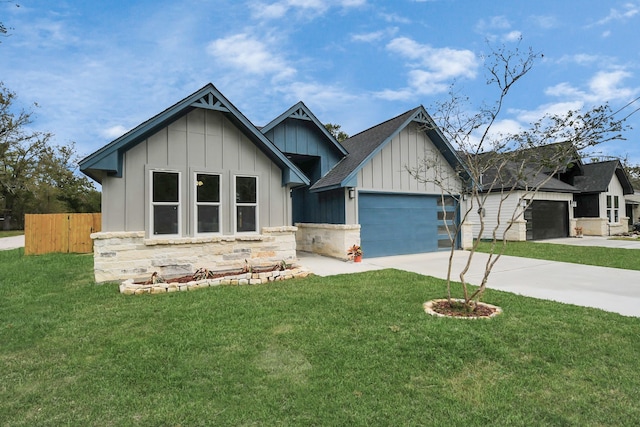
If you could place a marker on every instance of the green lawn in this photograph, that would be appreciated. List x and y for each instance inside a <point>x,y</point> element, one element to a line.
<point>11,233</point>
<point>345,350</point>
<point>628,259</point>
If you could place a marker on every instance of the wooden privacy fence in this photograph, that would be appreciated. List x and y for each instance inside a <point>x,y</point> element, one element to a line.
<point>44,233</point>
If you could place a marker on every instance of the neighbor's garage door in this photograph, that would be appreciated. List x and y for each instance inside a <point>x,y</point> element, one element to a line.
<point>547,220</point>
<point>397,224</point>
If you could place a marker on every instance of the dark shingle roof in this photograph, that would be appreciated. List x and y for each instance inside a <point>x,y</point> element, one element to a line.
<point>512,177</point>
<point>597,177</point>
<point>360,147</point>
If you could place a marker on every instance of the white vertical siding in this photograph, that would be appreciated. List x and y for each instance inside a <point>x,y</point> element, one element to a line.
<point>509,207</point>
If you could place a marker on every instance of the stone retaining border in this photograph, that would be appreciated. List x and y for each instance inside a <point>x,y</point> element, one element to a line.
<point>128,287</point>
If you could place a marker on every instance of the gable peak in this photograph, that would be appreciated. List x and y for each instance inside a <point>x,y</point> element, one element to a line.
<point>210,101</point>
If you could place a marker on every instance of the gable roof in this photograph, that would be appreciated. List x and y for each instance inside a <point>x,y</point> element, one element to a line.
<point>109,159</point>
<point>510,177</point>
<point>531,168</point>
<point>301,112</point>
<point>363,146</point>
<point>597,177</point>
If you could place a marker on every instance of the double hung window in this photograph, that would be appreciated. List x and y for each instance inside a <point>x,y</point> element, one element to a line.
<point>613,208</point>
<point>165,203</point>
<point>207,209</point>
<point>246,191</point>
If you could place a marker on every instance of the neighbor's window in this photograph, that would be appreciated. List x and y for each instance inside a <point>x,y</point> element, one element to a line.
<point>165,203</point>
<point>207,203</point>
<point>246,204</point>
<point>613,208</point>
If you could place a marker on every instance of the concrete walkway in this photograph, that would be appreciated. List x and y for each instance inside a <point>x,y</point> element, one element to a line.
<point>605,242</point>
<point>11,242</point>
<point>608,289</point>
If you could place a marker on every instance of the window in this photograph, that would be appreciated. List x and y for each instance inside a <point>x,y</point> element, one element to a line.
<point>613,208</point>
<point>207,209</point>
<point>165,203</point>
<point>246,190</point>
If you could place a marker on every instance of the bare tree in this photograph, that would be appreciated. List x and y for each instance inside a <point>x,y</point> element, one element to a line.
<point>503,167</point>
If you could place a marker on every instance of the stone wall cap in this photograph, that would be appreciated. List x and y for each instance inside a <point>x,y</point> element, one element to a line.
<point>103,235</point>
<point>329,226</point>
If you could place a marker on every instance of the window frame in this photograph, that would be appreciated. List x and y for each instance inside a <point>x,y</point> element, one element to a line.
<point>256,204</point>
<point>152,204</point>
<point>196,204</point>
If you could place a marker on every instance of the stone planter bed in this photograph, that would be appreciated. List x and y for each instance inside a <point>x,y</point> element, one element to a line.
<point>129,287</point>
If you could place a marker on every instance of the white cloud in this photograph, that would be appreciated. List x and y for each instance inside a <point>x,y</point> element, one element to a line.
<point>442,63</point>
<point>368,37</point>
<point>581,59</point>
<point>431,69</point>
<point>512,36</point>
<point>604,86</point>
<point>374,36</point>
<point>395,18</point>
<point>114,132</point>
<point>278,9</point>
<point>545,22</point>
<point>628,11</point>
<point>494,23</point>
<point>250,55</point>
<point>316,94</point>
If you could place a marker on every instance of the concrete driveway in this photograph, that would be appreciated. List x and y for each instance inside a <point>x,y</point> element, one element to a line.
<point>608,289</point>
<point>11,242</point>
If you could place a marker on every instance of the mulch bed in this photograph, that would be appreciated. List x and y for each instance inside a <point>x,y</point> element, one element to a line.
<point>443,308</point>
<point>218,274</point>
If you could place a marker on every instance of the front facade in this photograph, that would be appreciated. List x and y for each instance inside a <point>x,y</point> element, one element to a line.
<point>199,185</point>
<point>195,186</point>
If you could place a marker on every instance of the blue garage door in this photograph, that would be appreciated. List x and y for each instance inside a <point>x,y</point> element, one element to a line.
<point>398,224</point>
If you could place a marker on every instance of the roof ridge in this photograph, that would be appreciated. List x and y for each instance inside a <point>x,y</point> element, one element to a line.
<point>385,122</point>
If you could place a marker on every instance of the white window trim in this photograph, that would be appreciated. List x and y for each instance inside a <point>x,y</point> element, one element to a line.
<point>612,212</point>
<point>236,204</point>
<point>151,204</point>
<point>196,204</point>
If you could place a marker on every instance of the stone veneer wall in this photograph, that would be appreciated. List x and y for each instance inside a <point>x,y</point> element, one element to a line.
<point>328,239</point>
<point>601,226</point>
<point>128,255</point>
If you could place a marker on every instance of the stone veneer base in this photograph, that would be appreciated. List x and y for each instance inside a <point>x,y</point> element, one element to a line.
<point>128,287</point>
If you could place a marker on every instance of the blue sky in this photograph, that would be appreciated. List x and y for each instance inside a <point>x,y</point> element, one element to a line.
<point>99,68</point>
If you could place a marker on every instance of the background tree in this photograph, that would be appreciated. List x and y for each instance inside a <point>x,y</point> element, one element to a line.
<point>336,132</point>
<point>500,165</point>
<point>36,176</point>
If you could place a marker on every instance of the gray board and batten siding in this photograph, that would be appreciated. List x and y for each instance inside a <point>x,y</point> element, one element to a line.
<point>200,141</point>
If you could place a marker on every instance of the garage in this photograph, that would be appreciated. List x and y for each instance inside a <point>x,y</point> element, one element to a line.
<point>547,219</point>
<point>398,224</point>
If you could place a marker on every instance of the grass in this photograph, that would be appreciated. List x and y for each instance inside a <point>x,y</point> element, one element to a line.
<point>11,233</point>
<point>627,259</point>
<point>344,350</point>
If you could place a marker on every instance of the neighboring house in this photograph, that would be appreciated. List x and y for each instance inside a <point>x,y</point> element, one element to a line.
<point>543,214</point>
<point>198,185</point>
<point>600,205</point>
<point>588,196</point>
